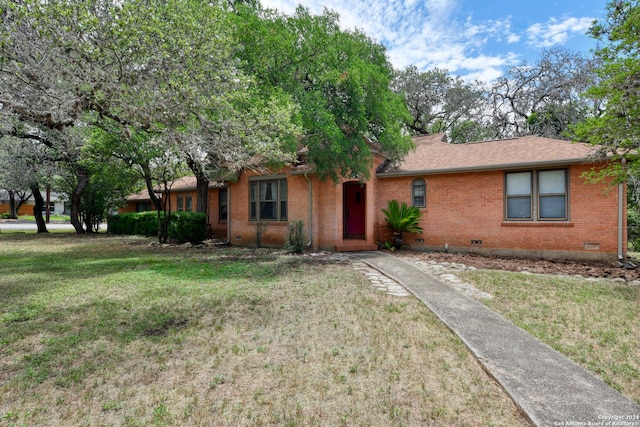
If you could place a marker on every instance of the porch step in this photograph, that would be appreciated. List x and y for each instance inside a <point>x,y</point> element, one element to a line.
<point>355,247</point>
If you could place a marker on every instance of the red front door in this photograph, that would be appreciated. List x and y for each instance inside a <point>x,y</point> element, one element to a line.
<point>354,210</point>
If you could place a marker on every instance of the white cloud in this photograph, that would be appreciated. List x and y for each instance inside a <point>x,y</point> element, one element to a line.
<point>437,33</point>
<point>556,31</point>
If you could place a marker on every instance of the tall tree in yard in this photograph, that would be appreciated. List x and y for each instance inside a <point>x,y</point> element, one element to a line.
<point>544,98</point>
<point>339,79</point>
<point>440,102</point>
<point>40,102</point>
<point>166,69</point>
<point>617,129</point>
<point>27,164</point>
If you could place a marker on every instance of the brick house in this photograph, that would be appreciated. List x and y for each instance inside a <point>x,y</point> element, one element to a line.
<point>523,196</point>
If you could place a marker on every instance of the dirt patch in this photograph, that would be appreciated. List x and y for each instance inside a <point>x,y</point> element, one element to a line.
<point>542,266</point>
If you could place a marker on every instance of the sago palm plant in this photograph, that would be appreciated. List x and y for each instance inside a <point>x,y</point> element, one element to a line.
<point>401,219</point>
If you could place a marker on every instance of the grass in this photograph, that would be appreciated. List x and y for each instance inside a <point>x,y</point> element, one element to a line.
<point>99,330</point>
<point>53,217</point>
<point>595,323</point>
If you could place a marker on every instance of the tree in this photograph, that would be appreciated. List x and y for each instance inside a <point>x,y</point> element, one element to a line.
<point>543,99</point>
<point>109,182</point>
<point>12,179</point>
<point>339,79</point>
<point>439,102</point>
<point>166,69</point>
<point>26,164</point>
<point>616,130</point>
<point>42,95</point>
<point>146,156</point>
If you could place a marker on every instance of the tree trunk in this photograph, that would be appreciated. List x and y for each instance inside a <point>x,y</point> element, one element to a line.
<point>161,205</point>
<point>76,196</point>
<point>24,196</point>
<point>88,222</point>
<point>37,209</point>
<point>13,211</point>
<point>202,193</point>
<point>202,187</point>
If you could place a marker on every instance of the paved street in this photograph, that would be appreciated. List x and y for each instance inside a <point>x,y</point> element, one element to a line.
<point>14,225</point>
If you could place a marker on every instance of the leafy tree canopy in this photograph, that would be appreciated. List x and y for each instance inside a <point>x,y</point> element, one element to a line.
<point>339,79</point>
<point>440,102</point>
<point>617,130</point>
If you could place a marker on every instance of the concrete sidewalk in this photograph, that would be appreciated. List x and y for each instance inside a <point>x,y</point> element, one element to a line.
<point>548,387</point>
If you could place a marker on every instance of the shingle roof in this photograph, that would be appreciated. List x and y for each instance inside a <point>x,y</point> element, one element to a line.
<point>191,183</point>
<point>181,184</point>
<point>433,155</point>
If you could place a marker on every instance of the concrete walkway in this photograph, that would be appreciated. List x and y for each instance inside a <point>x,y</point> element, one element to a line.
<point>549,388</point>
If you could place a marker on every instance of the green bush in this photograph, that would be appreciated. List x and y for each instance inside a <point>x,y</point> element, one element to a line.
<point>135,223</point>
<point>402,218</point>
<point>294,240</point>
<point>183,226</point>
<point>5,215</point>
<point>188,226</point>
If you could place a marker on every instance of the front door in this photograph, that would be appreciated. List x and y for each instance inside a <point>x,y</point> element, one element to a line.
<point>354,210</point>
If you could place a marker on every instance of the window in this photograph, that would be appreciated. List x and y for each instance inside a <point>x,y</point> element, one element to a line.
<point>222,204</point>
<point>519,195</point>
<point>185,203</point>
<point>552,194</point>
<point>540,195</point>
<point>419,193</point>
<point>143,207</point>
<point>268,200</point>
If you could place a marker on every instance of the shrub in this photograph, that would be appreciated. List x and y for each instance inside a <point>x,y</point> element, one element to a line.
<point>188,226</point>
<point>183,226</point>
<point>294,240</point>
<point>135,223</point>
<point>402,219</point>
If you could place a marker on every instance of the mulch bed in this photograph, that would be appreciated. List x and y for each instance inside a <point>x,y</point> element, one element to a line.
<point>543,266</point>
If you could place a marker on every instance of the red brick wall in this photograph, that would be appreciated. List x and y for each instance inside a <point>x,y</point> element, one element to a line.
<point>326,211</point>
<point>470,206</point>
<point>127,208</point>
<point>244,231</point>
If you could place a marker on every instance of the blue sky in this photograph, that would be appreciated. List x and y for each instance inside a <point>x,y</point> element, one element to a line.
<point>470,38</point>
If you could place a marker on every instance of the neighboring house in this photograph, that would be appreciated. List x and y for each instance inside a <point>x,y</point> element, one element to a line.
<point>57,203</point>
<point>183,198</point>
<point>523,196</point>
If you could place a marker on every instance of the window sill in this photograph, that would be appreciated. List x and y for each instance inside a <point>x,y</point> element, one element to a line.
<point>270,222</point>
<point>537,224</point>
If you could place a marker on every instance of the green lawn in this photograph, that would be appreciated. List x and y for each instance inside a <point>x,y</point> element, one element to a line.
<point>595,323</point>
<point>52,217</point>
<point>101,330</point>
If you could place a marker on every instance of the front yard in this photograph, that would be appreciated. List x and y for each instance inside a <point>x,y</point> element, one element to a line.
<point>596,323</point>
<point>100,330</point>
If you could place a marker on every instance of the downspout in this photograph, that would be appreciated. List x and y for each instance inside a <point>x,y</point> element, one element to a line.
<point>228,241</point>
<point>310,210</point>
<point>621,216</point>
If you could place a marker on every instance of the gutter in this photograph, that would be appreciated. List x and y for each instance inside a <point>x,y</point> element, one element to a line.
<point>484,168</point>
<point>621,216</point>
<point>228,241</point>
<point>310,220</point>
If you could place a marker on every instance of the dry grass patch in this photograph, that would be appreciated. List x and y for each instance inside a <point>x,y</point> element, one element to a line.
<point>596,323</point>
<point>125,334</point>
